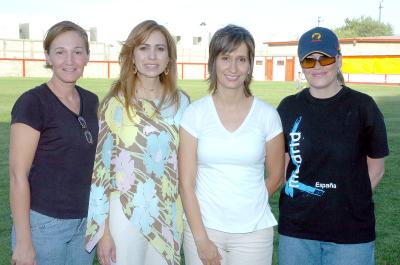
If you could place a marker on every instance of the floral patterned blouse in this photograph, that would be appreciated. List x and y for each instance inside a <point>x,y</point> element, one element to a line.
<point>136,160</point>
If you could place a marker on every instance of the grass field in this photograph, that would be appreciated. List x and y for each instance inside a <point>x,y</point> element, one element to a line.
<point>386,196</point>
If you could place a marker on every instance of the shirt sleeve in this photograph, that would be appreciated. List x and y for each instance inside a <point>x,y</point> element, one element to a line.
<point>190,120</point>
<point>273,126</point>
<point>27,110</point>
<point>376,137</point>
<point>184,102</point>
<point>282,111</point>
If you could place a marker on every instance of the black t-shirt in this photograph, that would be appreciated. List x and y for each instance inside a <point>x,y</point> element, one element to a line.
<point>61,171</point>
<point>328,194</point>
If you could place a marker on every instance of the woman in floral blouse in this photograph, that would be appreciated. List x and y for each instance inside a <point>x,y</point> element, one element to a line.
<point>135,212</point>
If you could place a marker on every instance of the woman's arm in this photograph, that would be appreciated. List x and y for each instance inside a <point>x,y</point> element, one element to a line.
<point>287,160</point>
<point>23,143</point>
<point>376,169</point>
<point>275,163</point>
<point>206,249</point>
<point>106,247</point>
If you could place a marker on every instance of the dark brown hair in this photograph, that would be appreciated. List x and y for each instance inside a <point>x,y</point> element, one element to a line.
<point>226,40</point>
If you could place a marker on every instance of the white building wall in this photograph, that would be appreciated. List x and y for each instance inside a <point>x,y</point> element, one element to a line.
<point>259,68</point>
<point>37,69</point>
<point>279,69</point>
<point>10,68</point>
<point>95,70</point>
<point>191,71</point>
<point>289,50</point>
<point>370,49</point>
<point>193,56</point>
<point>393,79</point>
<point>114,70</point>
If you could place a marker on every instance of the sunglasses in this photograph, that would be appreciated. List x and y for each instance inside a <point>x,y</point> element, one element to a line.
<point>86,132</point>
<point>323,61</point>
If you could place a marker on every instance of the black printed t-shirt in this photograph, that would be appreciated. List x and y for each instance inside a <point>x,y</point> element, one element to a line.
<point>61,171</point>
<point>328,195</point>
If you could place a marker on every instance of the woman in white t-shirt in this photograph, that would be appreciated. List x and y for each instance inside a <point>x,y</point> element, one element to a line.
<point>227,140</point>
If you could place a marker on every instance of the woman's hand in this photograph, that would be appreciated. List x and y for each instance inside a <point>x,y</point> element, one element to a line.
<point>106,249</point>
<point>24,255</point>
<point>23,144</point>
<point>208,252</point>
<point>187,163</point>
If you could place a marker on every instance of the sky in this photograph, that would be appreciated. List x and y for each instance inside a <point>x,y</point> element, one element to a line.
<point>279,20</point>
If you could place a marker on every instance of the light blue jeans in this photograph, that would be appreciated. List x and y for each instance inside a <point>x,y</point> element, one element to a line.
<point>58,241</point>
<point>296,251</point>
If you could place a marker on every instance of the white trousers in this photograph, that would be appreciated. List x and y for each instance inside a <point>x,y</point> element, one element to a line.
<point>253,248</point>
<point>131,246</point>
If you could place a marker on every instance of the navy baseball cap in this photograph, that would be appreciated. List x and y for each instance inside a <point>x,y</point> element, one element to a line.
<point>319,39</point>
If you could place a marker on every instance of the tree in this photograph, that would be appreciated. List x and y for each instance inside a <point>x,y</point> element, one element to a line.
<point>363,27</point>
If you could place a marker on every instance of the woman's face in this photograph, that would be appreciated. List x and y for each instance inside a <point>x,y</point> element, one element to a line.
<point>68,56</point>
<point>321,77</point>
<point>151,57</point>
<point>232,68</point>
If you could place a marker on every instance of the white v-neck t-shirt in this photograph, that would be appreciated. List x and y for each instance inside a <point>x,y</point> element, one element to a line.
<point>230,184</point>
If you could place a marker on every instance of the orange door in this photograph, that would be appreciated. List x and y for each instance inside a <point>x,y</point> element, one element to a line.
<point>268,69</point>
<point>289,74</point>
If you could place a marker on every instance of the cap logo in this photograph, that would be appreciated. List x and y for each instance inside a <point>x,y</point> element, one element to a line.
<point>316,36</point>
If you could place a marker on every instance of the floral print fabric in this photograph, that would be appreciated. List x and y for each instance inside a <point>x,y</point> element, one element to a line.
<point>136,160</point>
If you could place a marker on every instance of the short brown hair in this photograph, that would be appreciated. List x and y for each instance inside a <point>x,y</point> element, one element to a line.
<point>59,29</point>
<point>226,40</point>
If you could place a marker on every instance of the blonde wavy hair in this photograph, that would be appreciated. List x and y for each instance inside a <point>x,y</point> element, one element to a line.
<point>126,83</point>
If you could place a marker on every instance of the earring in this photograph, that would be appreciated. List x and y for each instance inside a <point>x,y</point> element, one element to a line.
<point>134,69</point>
<point>166,71</point>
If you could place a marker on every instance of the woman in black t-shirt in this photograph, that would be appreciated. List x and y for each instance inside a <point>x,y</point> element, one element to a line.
<point>335,147</point>
<point>53,139</point>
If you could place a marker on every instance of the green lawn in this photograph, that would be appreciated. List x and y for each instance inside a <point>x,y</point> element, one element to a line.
<point>386,196</point>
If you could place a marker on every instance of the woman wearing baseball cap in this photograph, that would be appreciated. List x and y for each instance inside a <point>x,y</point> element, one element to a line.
<point>336,142</point>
